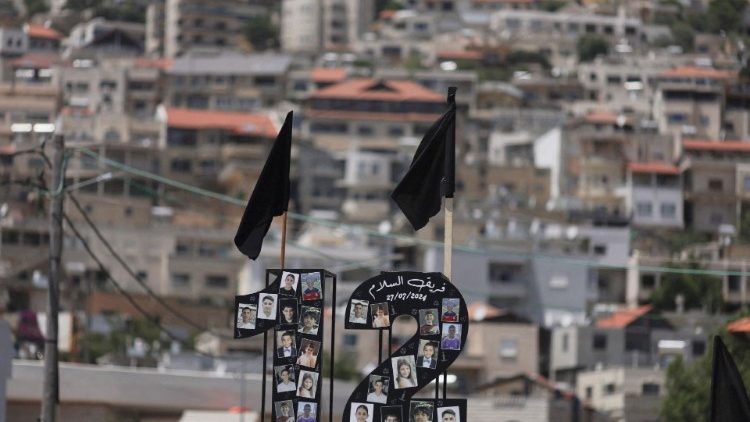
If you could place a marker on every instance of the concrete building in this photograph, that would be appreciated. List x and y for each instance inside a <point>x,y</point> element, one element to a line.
<point>42,38</point>
<point>623,394</point>
<point>310,26</point>
<point>226,80</point>
<point>654,197</point>
<point>13,41</point>
<point>99,37</point>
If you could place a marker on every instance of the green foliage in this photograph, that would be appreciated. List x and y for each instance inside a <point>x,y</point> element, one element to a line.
<point>35,6</point>
<point>521,56</point>
<point>683,35</point>
<point>121,336</point>
<point>261,32</point>
<point>725,15</point>
<point>391,5</point>
<point>344,368</point>
<point>688,386</point>
<point>551,5</point>
<point>589,46</point>
<point>115,11</point>
<point>699,291</point>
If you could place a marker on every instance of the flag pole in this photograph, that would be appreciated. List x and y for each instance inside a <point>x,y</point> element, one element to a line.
<point>449,178</point>
<point>283,240</point>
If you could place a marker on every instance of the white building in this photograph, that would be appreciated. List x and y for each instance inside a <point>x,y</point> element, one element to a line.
<point>624,394</point>
<point>654,194</point>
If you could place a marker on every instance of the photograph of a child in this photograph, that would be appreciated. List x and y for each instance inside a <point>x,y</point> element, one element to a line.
<point>380,317</point>
<point>246,314</point>
<point>284,411</point>
<point>391,414</point>
<point>309,320</point>
<point>285,344</point>
<point>288,314</point>
<point>361,412</point>
<point>284,378</point>
<point>308,353</point>
<point>378,391</point>
<point>450,310</point>
<point>308,384</point>
<point>404,373</point>
<point>420,411</point>
<point>427,355</point>
<point>448,414</point>
<point>358,312</point>
<point>288,285</point>
<point>452,340</point>
<point>268,304</point>
<point>311,288</point>
<point>428,322</point>
<point>306,411</point>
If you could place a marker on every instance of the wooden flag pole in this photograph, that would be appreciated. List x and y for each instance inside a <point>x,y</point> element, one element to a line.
<point>283,240</point>
<point>448,238</point>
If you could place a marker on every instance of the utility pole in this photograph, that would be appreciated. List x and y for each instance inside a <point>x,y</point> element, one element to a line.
<point>51,393</point>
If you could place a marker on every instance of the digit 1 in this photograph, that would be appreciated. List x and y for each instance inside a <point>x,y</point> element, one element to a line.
<point>443,321</point>
<point>292,305</point>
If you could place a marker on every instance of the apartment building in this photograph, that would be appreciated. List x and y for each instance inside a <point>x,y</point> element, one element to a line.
<point>690,101</point>
<point>99,37</point>
<point>13,41</point>
<point>226,80</point>
<point>624,393</point>
<point>42,38</point>
<point>370,113</point>
<point>311,26</point>
<point>654,194</point>
<point>406,35</point>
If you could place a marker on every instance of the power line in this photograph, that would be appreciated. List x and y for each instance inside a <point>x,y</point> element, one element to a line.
<point>426,242</point>
<point>132,273</point>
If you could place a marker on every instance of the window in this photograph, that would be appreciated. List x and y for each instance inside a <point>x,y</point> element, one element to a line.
<point>668,210</point>
<point>699,347</point>
<point>504,273</point>
<point>614,80</point>
<point>589,392</point>
<point>733,283</point>
<point>648,281</point>
<point>508,348</point>
<point>677,118</point>
<point>180,279</point>
<point>650,389</point>
<point>265,81</point>
<point>217,281</point>
<point>600,341</point>
<point>600,250</point>
<point>644,209</point>
<point>398,131</point>
<point>181,166</point>
<point>365,130</point>
<point>565,342</point>
<point>610,389</point>
<point>182,249</point>
<point>715,185</point>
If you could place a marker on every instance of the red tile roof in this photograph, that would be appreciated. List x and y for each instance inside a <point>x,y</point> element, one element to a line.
<point>36,61</point>
<point>328,74</point>
<point>653,167</point>
<point>387,14</point>
<point>708,145</point>
<point>145,62</point>
<point>379,90</point>
<point>623,318</point>
<point>697,72</point>
<point>39,31</point>
<point>739,326</point>
<point>369,115</point>
<point>604,117</point>
<point>240,123</point>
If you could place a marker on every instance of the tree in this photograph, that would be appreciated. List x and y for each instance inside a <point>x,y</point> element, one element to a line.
<point>261,32</point>
<point>698,290</point>
<point>688,386</point>
<point>35,6</point>
<point>589,46</point>
<point>683,35</point>
<point>344,368</point>
<point>725,15</point>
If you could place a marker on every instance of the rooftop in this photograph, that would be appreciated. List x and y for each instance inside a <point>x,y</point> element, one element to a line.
<point>328,74</point>
<point>697,72</point>
<point>379,90</point>
<point>240,123</point>
<point>739,326</point>
<point>230,63</point>
<point>623,318</point>
<point>715,145</point>
<point>653,167</point>
<point>39,31</point>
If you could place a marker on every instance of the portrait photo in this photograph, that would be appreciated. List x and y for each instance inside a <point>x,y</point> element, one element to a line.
<point>308,384</point>
<point>427,354</point>
<point>391,414</point>
<point>306,411</point>
<point>285,344</point>
<point>361,412</point>
<point>268,304</point>
<point>380,317</point>
<point>309,320</point>
<point>246,314</point>
<point>451,336</point>
<point>288,314</point>
<point>420,411</point>
<point>284,411</point>
<point>358,311</point>
<point>288,284</point>
<point>448,414</point>
<point>308,353</point>
<point>428,322</point>
<point>311,286</point>
<point>404,372</point>
<point>378,389</point>
<point>450,310</point>
<point>285,381</point>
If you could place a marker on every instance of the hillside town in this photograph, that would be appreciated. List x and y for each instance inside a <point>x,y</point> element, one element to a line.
<point>602,209</point>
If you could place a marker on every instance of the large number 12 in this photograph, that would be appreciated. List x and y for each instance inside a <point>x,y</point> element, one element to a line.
<point>292,305</point>
<point>386,394</point>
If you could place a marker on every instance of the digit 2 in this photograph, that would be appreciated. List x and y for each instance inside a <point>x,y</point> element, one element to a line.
<point>292,305</point>
<point>377,302</point>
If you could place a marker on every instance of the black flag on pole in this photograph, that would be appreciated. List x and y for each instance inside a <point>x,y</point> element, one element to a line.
<point>729,401</point>
<point>270,196</point>
<point>431,175</point>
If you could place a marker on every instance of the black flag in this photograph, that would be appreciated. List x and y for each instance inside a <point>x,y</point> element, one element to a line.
<point>270,196</point>
<point>729,402</point>
<point>431,175</point>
